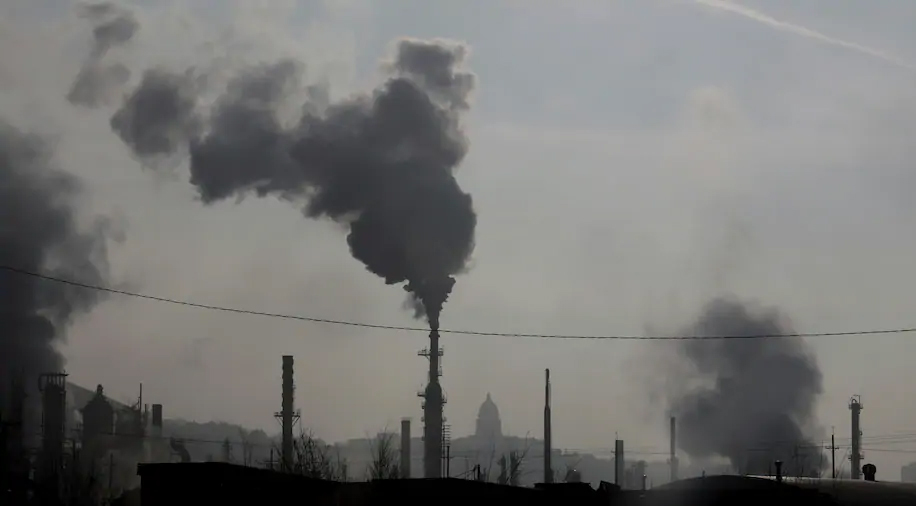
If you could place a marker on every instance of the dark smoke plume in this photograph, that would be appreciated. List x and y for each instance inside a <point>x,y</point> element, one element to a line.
<point>96,81</point>
<point>759,398</point>
<point>39,233</point>
<point>381,162</point>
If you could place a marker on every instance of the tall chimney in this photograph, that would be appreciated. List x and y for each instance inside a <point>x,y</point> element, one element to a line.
<point>53,387</point>
<point>157,421</point>
<point>548,436</point>
<point>673,456</point>
<point>855,405</point>
<point>433,402</point>
<point>619,461</point>
<point>286,414</point>
<point>405,448</point>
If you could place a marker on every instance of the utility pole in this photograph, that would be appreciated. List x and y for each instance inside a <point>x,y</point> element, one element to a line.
<point>832,449</point>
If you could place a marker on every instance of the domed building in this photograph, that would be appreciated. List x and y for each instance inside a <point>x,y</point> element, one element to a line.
<point>489,426</point>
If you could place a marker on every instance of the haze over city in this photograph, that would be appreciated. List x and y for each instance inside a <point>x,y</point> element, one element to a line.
<point>630,162</point>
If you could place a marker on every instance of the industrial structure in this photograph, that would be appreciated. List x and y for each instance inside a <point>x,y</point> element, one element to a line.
<point>619,463</point>
<point>433,404</point>
<point>405,448</point>
<point>53,388</point>
<point>855,457</point>
<point>673,455</point>
<point>548,448</point>
<point>287,415</point>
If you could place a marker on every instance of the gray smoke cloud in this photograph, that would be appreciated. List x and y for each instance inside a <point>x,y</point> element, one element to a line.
<point>97,80</point>
<point>39,233</point>
<point>380,162</point>
<point>758,401</point>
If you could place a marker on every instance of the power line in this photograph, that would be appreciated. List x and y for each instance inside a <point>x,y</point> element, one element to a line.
<point>350,323</point>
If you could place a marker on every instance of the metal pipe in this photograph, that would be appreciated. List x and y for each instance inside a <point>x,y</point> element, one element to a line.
<point>548,443</point>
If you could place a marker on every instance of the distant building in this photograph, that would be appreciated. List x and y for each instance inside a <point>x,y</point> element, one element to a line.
<point>908,473</point>
<point>98,417</point>
<point>489,426</point>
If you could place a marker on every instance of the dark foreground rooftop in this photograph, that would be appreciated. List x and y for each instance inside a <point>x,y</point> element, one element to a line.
<point>215,483</point>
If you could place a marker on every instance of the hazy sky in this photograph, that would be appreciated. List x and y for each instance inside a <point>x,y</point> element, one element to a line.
<point>629,160</point>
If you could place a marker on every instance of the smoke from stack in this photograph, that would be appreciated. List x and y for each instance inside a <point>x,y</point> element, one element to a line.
<point>380,163</point>
<point>97,80</point>
<point>758,396</point>
<point>39,233</point>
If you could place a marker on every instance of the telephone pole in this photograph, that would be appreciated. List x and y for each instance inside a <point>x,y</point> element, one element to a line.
<point>833,450</point>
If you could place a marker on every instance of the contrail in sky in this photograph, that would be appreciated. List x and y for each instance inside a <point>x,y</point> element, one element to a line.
<point>754,15</point>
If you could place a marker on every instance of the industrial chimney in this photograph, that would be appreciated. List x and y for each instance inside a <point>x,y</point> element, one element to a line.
<point>619,461</point>
<point>855,406</point>
<point>287,415</point>
<point>548,436</point>
<point>673,456</point>
<point>405,448</point>
<point>157,421</point>
<point>433,402</point>
<point>53,388</point>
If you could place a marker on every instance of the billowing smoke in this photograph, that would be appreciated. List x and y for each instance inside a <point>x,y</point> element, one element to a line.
<point>39,233</point>
<point>97,80</point>
<point>757,401</point>
<point>381,162</point>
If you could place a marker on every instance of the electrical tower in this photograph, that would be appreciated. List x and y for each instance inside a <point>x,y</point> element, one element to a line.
<point>433,403</point>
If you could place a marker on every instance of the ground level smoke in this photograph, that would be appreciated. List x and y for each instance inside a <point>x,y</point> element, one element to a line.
<point>751,401</point>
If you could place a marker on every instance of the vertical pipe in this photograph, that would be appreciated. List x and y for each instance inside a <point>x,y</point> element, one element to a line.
<point>548,443</point>
<point>619,461</point>
<point>405,448</point>
<point>673,450</point>
<point>778,471</point>
<point>286,415</point>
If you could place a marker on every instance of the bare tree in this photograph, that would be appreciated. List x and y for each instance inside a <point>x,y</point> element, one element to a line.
<point>247,446</point>
<point>516,461</point>
<point>227,451</point>
<point>315,459</point>
<point>384,464</point>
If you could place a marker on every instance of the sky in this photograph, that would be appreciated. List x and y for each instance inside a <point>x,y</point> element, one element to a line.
<point>629,160</point>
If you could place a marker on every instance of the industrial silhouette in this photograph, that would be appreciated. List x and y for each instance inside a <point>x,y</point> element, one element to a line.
<point>93,449</point>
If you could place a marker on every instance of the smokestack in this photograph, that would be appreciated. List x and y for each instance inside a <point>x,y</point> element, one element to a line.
<point>855,406</point>
<point>433,402</point>
<point>53,387</point>
<point>673,456</point>
<point>405,448</point>
<point>619,467</point>
<point>286,414</point>
<point>548,436</point>
<point>157,420</point>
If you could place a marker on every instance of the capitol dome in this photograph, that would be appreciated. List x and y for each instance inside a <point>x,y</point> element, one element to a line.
<point>489,426</point>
